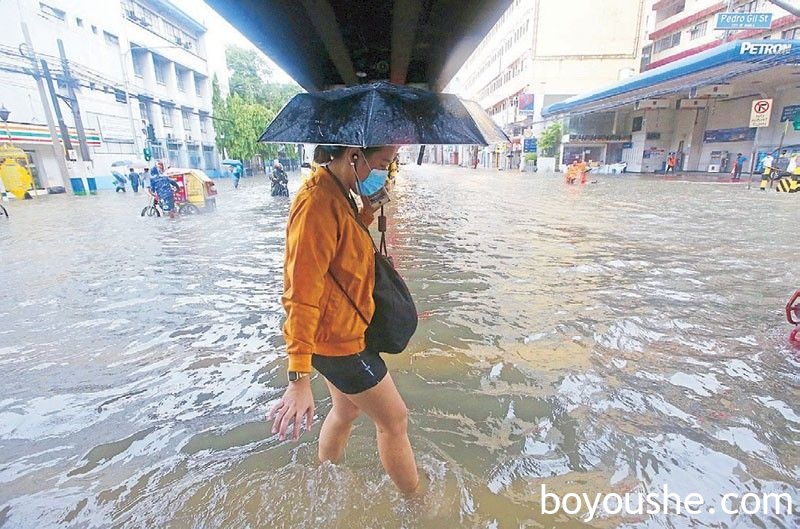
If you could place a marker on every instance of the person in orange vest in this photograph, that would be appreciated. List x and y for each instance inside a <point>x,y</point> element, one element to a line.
<point>572,172</point>
<point>583,169</point>
<point>671,161</point>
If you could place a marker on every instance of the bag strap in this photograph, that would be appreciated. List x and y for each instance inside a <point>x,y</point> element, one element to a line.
<point>353,206</point>
<point>349,298</point>
<point>354,209</point>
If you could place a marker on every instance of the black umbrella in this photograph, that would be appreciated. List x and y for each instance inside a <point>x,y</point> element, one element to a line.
<point>382,114</point>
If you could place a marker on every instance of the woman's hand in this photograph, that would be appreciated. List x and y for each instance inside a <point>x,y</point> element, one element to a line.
<point>297,401</point>
<point>367,213</point>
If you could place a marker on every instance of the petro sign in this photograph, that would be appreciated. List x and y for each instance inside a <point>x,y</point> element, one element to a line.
<point>758,48</point>
<point>744,21</point>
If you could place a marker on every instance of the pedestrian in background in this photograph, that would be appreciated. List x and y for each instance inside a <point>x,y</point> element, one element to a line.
<point>738,164</point>
<point>145,178</point>
<point>133,177</point>
<point>671,160</point>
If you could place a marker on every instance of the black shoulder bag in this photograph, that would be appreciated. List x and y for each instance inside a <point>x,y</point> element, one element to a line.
<point>395,319</point>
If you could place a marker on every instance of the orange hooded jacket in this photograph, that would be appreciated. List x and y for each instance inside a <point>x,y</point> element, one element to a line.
<point>323,236</point>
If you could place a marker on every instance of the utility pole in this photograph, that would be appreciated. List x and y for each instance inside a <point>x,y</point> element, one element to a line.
<point>76,110</point>
<point>58,150</point>
<point>60,117</point>
<point>63,126</point>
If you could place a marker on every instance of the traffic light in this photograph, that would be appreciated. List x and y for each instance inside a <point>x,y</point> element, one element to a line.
<point>148,155</point>
<point>796,121</point>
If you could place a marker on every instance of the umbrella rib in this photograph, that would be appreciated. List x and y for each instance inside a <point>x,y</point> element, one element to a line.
<point>369,118</point>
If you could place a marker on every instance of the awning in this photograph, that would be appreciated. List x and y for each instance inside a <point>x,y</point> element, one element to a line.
<point>714,66</point>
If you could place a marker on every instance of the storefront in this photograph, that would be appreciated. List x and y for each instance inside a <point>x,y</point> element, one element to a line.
<point>698,108</point>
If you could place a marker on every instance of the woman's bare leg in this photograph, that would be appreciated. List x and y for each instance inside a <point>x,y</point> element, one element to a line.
<point>384,405</point>
<point>337,426</point>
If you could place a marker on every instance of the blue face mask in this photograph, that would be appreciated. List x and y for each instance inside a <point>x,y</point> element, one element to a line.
<point>374,181</point>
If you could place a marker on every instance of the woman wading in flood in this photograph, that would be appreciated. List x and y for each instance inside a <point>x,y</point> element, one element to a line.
<point>326,244</point>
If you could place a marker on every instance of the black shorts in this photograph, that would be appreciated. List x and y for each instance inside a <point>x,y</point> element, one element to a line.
<point>353,373</point>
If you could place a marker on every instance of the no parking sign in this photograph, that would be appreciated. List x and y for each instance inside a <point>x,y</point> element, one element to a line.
<point>759,112</point>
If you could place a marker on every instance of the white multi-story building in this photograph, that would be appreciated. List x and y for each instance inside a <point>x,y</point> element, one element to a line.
<point>541,52</point>
<point>685,27</point>
<point>141,75</point>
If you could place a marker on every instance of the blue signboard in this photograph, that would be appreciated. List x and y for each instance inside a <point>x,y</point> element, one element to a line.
<point>529,145</point>
<point>789,112</point>
<point>728,135</point>
<point>744,21</point>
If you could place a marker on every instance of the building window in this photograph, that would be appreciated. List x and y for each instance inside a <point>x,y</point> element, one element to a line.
<point>186,123</point>
<point>750,7</point>
<point>194,157</point>
<point>670,41</point>
<point>179,79</point>
<point>137,58</point>
<point>79,22</point>
<point>161,71</point>
<point>52,12</point>
<point>698,31</point>
<point>144,111</point>
<point>166,116</point>
<point>791,34</point>
<point>203,125</point>
<point>111,40</point>
<point>198,86</point>
<point>646,54</point>
<point>139,15</point>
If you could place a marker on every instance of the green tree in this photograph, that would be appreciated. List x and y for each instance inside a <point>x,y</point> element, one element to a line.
<point>549,140</point>
<point>247,120</point>
<point>248,72</point>
<point>252,103</point>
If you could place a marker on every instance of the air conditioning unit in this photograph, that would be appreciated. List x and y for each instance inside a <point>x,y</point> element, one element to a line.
<point>187,45</point>
<point>651,104</point>
<point>693,103</point>
<point>178,41</point>
<point>714,90</point>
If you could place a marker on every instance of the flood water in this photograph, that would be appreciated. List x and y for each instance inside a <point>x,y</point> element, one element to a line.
<point>610,338</point>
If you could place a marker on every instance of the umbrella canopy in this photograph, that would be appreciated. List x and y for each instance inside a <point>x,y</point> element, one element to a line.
<point>382,114</point>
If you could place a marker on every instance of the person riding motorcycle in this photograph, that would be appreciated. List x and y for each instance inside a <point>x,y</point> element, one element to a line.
<point>279,180</point>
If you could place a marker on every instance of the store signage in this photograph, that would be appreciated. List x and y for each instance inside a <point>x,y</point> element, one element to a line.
<point>529,145</point>
<point>760,111</point>
<point>789,112</point>
<point>744,21</point>
<point>758,48</point>
<point>525,102</point>
<point>729,135</point>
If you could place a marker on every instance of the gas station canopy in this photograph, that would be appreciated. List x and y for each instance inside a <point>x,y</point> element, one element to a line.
<point>755,61</point>
<point>328,43</point>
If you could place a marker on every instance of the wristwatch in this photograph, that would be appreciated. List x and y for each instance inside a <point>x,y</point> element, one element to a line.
<point>296,375</point>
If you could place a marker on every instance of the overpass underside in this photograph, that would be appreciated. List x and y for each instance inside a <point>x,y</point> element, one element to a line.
<point>328,43</point>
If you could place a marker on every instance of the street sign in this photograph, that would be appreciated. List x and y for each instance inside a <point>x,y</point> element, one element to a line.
<point>759,112</point>
<point>744,21</point>
<point>790,112</point>
<point>529,145</point>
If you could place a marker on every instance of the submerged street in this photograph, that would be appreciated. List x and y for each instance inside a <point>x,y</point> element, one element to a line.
<point>612,337</point>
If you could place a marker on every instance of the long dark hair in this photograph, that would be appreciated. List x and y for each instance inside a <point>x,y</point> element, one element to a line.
<point>325,153</point>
